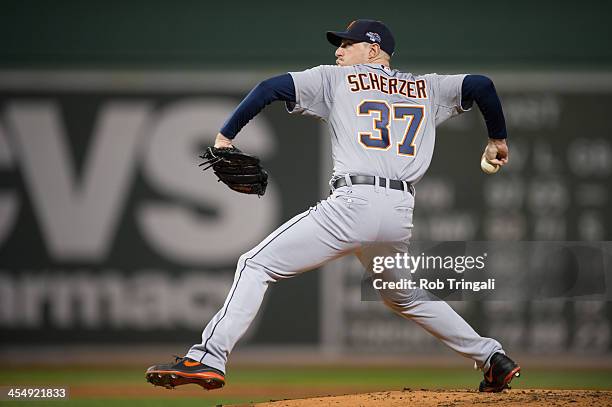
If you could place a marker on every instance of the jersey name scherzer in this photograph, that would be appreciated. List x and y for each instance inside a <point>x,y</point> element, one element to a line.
<point>383,121</point>
<point>391,86</point>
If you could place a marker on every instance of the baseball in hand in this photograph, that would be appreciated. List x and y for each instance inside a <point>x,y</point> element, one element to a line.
<point>487,167</point>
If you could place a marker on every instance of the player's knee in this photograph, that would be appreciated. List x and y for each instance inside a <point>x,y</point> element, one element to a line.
<point>398,300</point>
<point>242,259</point>
<point>242,262</point>
<point>252,264</point>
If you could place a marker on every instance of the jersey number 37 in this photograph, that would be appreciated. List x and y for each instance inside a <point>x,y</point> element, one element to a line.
<point>413,114</point>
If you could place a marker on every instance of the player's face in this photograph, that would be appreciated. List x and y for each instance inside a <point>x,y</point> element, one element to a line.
<point>351,53</point>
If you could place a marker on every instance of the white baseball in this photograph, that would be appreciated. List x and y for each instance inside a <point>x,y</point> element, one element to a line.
<point>487,167</point>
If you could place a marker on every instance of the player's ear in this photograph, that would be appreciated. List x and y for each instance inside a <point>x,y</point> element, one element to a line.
<point>374,51</point>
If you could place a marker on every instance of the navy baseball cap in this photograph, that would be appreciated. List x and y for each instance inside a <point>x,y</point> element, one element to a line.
<point>371,31</point>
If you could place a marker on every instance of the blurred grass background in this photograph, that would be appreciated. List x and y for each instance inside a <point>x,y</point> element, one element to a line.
<point>110,386</point>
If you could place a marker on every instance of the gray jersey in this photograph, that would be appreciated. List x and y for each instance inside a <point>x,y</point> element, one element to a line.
<point>383,121</point>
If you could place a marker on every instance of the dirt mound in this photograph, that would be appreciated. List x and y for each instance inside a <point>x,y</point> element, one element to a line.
<point>455,398</point>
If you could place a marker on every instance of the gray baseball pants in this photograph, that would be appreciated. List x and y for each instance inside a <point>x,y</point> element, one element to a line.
<point>349,221</point>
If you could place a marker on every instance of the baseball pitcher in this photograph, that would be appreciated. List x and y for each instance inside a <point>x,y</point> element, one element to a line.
<point>383,124</point>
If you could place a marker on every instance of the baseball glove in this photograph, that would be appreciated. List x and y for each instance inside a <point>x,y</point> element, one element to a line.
<point>239,171</point>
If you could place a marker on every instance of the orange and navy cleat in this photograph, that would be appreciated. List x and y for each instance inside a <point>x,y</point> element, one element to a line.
<point>185,371</point>
<point>501,372</point>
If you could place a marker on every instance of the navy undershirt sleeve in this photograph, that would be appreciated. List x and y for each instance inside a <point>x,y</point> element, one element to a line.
<point>277,88</point>
<point>480,89</point>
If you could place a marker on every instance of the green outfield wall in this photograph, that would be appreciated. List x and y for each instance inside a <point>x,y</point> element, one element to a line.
<point>248,34</point>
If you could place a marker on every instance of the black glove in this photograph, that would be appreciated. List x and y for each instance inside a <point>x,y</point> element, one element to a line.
<point>239,171</point>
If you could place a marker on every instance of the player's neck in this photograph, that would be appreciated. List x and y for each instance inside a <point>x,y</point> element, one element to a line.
<point>380,61</point>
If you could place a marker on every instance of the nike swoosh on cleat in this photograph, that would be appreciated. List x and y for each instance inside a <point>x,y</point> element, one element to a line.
<point>190,363</point>
<point>200,375</point>
<point>490,378</point>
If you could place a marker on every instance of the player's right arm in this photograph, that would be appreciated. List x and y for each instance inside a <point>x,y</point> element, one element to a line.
<point>455,94</point>
<point>480,89</point>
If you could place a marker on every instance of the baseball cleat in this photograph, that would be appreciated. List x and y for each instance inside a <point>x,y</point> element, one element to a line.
<point>501,372</point>
<point>185,371</point>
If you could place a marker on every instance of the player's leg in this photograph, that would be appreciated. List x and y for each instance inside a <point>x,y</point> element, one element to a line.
<point>432,314</point>
<point>310,239</point>
<point>440,320</point>
<point>301,244</point>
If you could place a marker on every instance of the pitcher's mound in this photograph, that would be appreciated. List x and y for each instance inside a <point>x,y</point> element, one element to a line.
<point>454,398</point>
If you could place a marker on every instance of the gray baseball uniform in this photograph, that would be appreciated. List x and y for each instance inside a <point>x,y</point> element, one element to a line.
<point>383,124</point>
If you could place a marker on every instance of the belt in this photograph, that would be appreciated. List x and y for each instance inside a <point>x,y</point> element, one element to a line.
<point>370,180</point>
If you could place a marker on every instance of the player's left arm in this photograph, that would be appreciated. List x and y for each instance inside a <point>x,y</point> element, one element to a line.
<point>277,88</point>
<point>480,89</point>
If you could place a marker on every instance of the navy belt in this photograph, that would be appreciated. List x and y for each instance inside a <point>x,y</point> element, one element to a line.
<point>371,180</point>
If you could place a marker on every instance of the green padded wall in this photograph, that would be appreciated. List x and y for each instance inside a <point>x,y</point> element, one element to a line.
<point>277,34</point>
